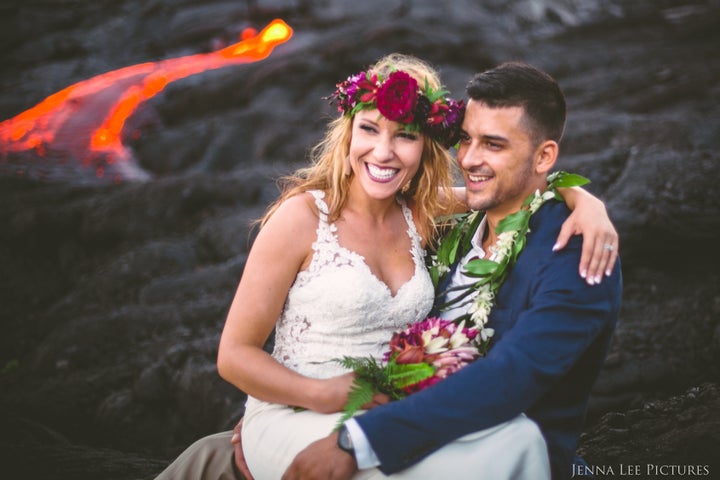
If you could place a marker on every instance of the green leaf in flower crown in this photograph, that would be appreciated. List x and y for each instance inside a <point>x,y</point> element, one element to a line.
<point>480,267</point>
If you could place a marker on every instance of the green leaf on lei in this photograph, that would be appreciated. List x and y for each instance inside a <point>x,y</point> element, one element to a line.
<point>567,180</point>
<point>480,267</point>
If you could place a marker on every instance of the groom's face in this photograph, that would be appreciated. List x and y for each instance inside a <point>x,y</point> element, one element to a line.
<point>496,155</point>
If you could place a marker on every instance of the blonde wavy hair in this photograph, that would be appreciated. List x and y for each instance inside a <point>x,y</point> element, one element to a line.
<point>430,191</point>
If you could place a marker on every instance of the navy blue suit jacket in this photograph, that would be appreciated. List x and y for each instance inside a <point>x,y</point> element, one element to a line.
<point>552,332</point>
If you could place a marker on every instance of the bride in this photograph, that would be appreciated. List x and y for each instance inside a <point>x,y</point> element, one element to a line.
<point>338,266</point>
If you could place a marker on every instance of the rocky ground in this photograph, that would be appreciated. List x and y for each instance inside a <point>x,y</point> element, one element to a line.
<point>114,294</point>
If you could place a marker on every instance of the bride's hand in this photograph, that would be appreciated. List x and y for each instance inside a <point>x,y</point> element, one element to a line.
<point>377,400</point>
<point>333,394</point>
<point>600,239</point>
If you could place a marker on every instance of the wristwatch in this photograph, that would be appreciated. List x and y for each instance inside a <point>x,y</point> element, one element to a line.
<point>344,441</point>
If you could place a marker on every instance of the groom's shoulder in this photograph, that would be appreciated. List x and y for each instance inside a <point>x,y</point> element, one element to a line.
<point>546,223</point>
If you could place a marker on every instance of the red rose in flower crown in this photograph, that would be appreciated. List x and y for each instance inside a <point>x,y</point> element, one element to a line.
<point>397,96</point>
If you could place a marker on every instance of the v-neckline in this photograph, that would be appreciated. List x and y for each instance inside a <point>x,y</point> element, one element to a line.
<point>363,262</point>
<point>407,216</point>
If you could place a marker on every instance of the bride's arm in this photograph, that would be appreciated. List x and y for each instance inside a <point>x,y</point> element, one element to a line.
<point>280,250</point>
<point>589,219</point>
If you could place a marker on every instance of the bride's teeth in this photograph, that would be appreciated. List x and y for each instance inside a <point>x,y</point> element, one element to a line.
<point>381,173</point>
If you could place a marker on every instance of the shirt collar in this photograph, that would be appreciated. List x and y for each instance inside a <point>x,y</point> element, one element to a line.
<point>476,241</point>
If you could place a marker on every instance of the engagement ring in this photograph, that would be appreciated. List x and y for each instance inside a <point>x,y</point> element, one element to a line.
<point>608,247</point>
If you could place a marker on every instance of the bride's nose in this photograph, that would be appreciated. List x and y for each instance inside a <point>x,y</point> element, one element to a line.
<point>384,149</point>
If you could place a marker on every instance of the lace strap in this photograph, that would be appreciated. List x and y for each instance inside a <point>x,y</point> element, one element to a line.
<point>412,230</point>
<point>322,207</point>
<point>417,251</point>
<point>324,230</point>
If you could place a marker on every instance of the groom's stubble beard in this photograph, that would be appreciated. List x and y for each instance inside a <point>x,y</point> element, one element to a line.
<point>517,188</point>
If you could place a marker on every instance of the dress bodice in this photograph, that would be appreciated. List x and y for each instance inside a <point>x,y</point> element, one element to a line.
<point>338,307</point>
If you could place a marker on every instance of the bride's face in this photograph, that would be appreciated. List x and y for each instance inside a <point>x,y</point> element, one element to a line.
<point>384,156</point>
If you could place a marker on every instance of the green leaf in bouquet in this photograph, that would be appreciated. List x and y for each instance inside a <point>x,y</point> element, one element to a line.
<point>362,392</point>
<point>401,375</point>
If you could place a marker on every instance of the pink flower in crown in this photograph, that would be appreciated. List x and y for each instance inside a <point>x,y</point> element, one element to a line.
<point>397,96</point>
<point>444,119</point>
<point>359,88</point>
<point>366,88</point>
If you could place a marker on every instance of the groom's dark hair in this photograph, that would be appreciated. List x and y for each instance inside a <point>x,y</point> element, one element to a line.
<point>517,84</point>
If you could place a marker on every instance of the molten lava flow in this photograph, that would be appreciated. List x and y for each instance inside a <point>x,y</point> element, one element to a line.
<point>84,121</point>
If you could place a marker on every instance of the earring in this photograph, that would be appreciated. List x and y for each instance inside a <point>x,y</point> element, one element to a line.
<point>347,168</point>
<point>405,188</point>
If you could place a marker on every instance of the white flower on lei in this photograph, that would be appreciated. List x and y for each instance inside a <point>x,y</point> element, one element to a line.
<point>442,269</point>
<point>502,247</point>
<point>539,199</point>
<point>481,306</point>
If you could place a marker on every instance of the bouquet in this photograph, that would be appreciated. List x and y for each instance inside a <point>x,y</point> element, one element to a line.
<point>419,356</point>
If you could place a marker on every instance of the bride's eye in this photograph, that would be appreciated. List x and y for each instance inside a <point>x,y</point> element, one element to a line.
<point>408,135</point>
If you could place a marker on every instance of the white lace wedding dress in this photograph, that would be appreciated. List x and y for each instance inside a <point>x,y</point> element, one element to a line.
<point>338,307</point>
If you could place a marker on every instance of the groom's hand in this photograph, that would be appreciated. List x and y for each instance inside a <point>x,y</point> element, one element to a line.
<point>322,460</point>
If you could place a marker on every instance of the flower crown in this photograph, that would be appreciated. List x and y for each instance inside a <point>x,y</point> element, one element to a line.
<point>399,99</point>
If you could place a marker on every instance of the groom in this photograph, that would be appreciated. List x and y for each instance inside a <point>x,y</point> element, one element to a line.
<point>552,329</point>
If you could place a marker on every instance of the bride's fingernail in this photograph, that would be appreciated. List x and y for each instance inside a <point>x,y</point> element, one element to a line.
<point>556,247</point>
<point>583,274</point>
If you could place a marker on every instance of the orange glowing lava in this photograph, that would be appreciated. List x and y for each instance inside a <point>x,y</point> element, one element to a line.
<point>84,121</point>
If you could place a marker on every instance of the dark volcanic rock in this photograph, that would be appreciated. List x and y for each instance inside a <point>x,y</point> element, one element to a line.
<point>114,295</point>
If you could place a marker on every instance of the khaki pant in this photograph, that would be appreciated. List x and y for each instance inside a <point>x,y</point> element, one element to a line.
<point>210,458</point>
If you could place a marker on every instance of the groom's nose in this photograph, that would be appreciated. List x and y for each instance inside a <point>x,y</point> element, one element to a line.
<point>469,155</point>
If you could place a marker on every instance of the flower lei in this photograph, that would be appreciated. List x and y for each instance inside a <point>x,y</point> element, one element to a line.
<point>399,99</point>
<point>490,273</point>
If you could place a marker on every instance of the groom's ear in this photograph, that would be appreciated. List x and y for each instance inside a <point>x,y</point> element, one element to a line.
<point>545,156</point>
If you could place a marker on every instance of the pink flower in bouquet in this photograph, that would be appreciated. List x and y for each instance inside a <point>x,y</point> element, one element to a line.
<point>441,343</point>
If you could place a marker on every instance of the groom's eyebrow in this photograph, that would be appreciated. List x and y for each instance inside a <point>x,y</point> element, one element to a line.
<point>494,138</point>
